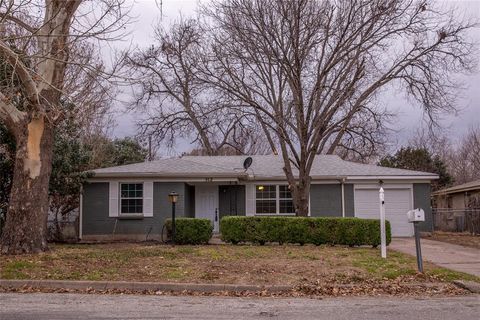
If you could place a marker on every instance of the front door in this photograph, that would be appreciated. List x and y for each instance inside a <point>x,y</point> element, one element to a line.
<point>231,200</point>
<point>206,204</point>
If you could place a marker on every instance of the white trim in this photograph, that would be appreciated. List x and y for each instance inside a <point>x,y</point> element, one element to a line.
<point>412,197</point>
<point>343,200</point>
<point>80,216</point>
<point>386,181</point>
<point>276,182</point>
<point>352,179</point>
<point>156,179</point>
<point>309,206</point>
<point>113,199</point>
<point>277,199</point>
<point>147,199</point>
<point>385,186</point>
<point>249,199</point>
<point>370,178</point>
<point>325,182</point>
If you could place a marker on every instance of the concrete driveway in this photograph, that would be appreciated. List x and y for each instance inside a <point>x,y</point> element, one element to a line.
<point>451,256</point>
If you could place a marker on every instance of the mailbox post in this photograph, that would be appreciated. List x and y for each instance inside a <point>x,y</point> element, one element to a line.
<point>383,233</point>
<point>416,216</point>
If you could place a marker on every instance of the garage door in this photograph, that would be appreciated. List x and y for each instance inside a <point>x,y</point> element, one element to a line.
<point>397,203</point>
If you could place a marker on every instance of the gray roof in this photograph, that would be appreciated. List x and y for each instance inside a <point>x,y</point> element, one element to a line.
<point>263,167</point>
<point>172,167</point>
<point>469,186</point>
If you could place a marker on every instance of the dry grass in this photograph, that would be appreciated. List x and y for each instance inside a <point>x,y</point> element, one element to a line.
<point>463,239</point>
<point>215,264</point>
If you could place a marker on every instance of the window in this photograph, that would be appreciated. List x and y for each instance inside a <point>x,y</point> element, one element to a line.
<point>131,198</point>
<point>266,199</point>
<point>274,199</point>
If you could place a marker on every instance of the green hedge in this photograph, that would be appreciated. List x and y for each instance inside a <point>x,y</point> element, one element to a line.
<point>342,231</point>
<point>190,230</point>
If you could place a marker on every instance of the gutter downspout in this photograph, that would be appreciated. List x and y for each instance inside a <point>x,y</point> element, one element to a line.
<point>80,231</point>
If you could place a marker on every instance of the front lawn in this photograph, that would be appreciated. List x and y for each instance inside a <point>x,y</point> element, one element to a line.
<point>285,265</point>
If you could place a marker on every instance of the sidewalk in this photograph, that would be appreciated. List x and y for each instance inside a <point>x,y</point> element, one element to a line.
<point>451,256</point>
<point>141,286</point>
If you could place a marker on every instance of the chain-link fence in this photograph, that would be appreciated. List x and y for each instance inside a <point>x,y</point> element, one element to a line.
<point>63,231</point>
<point>457,220</point>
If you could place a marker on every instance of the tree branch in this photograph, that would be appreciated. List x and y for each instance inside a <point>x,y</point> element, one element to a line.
<point>10,115</point>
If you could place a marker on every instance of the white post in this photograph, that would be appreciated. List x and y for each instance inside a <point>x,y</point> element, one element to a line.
<point>383,238</point>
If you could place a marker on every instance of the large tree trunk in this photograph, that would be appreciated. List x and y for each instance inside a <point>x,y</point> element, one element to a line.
<point>301,195</point>
<point>25,229</point>
<point>300,188</point>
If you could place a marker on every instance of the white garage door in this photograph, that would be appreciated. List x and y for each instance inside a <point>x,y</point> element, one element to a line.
<point>397,203</point>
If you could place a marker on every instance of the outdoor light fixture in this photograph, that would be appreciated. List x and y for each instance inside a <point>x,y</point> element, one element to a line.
<point>173,197</point>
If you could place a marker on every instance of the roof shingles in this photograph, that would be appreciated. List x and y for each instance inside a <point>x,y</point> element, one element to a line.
<point>263,166</point>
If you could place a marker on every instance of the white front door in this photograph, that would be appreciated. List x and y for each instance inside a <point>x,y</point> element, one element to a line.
<point>206,204</point>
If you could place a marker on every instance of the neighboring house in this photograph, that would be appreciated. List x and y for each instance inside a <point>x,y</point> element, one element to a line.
<point>457,208</point>
<point>131,201</point>
<point>457,197</point>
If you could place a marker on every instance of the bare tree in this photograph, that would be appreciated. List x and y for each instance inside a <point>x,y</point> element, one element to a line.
<point>365,138</point>
<point>178,103</point>
<point>311,70</point>
<point>464,160</point>
<point>434,139</point>
<point>461,158</point>
<point>36,44</point>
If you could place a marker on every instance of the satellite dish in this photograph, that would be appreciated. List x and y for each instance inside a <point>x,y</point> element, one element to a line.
<point>247,163</point>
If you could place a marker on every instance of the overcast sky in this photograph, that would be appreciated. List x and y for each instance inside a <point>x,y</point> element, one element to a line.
<point>408,117</point>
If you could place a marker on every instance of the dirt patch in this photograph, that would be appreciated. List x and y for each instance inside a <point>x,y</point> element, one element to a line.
<point>301,266</point>
<point>463,239</point>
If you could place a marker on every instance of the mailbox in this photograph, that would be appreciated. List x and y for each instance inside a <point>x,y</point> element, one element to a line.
<point>416,215</point>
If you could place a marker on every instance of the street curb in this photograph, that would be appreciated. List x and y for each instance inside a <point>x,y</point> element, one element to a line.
<point>137,286</point>
<point>140,286</point>
<point>473,287</point>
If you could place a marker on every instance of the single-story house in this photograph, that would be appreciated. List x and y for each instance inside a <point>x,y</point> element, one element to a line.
<point>457,197</point>
<point>131,201</point>
<point>457,208</point>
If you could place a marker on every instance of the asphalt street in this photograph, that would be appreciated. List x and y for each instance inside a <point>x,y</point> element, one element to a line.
<point>38,306</point>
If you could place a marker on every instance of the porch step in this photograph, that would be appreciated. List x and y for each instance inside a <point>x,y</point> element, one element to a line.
<point>216,239</point>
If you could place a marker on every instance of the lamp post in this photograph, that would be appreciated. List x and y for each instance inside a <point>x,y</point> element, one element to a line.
<point>173,197</point>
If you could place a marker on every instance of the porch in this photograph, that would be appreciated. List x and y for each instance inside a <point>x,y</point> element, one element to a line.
<point>214,201</point>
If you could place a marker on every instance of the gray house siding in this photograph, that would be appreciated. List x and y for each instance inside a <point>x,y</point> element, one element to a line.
<point>95,209</point>
<point>349,200</point>
<point>95,219</point>
<point>326,200</point>
<point>162,208</point>
<point>421,199</point>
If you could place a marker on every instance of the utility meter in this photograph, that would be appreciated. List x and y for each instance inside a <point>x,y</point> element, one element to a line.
<point>416,215</point>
